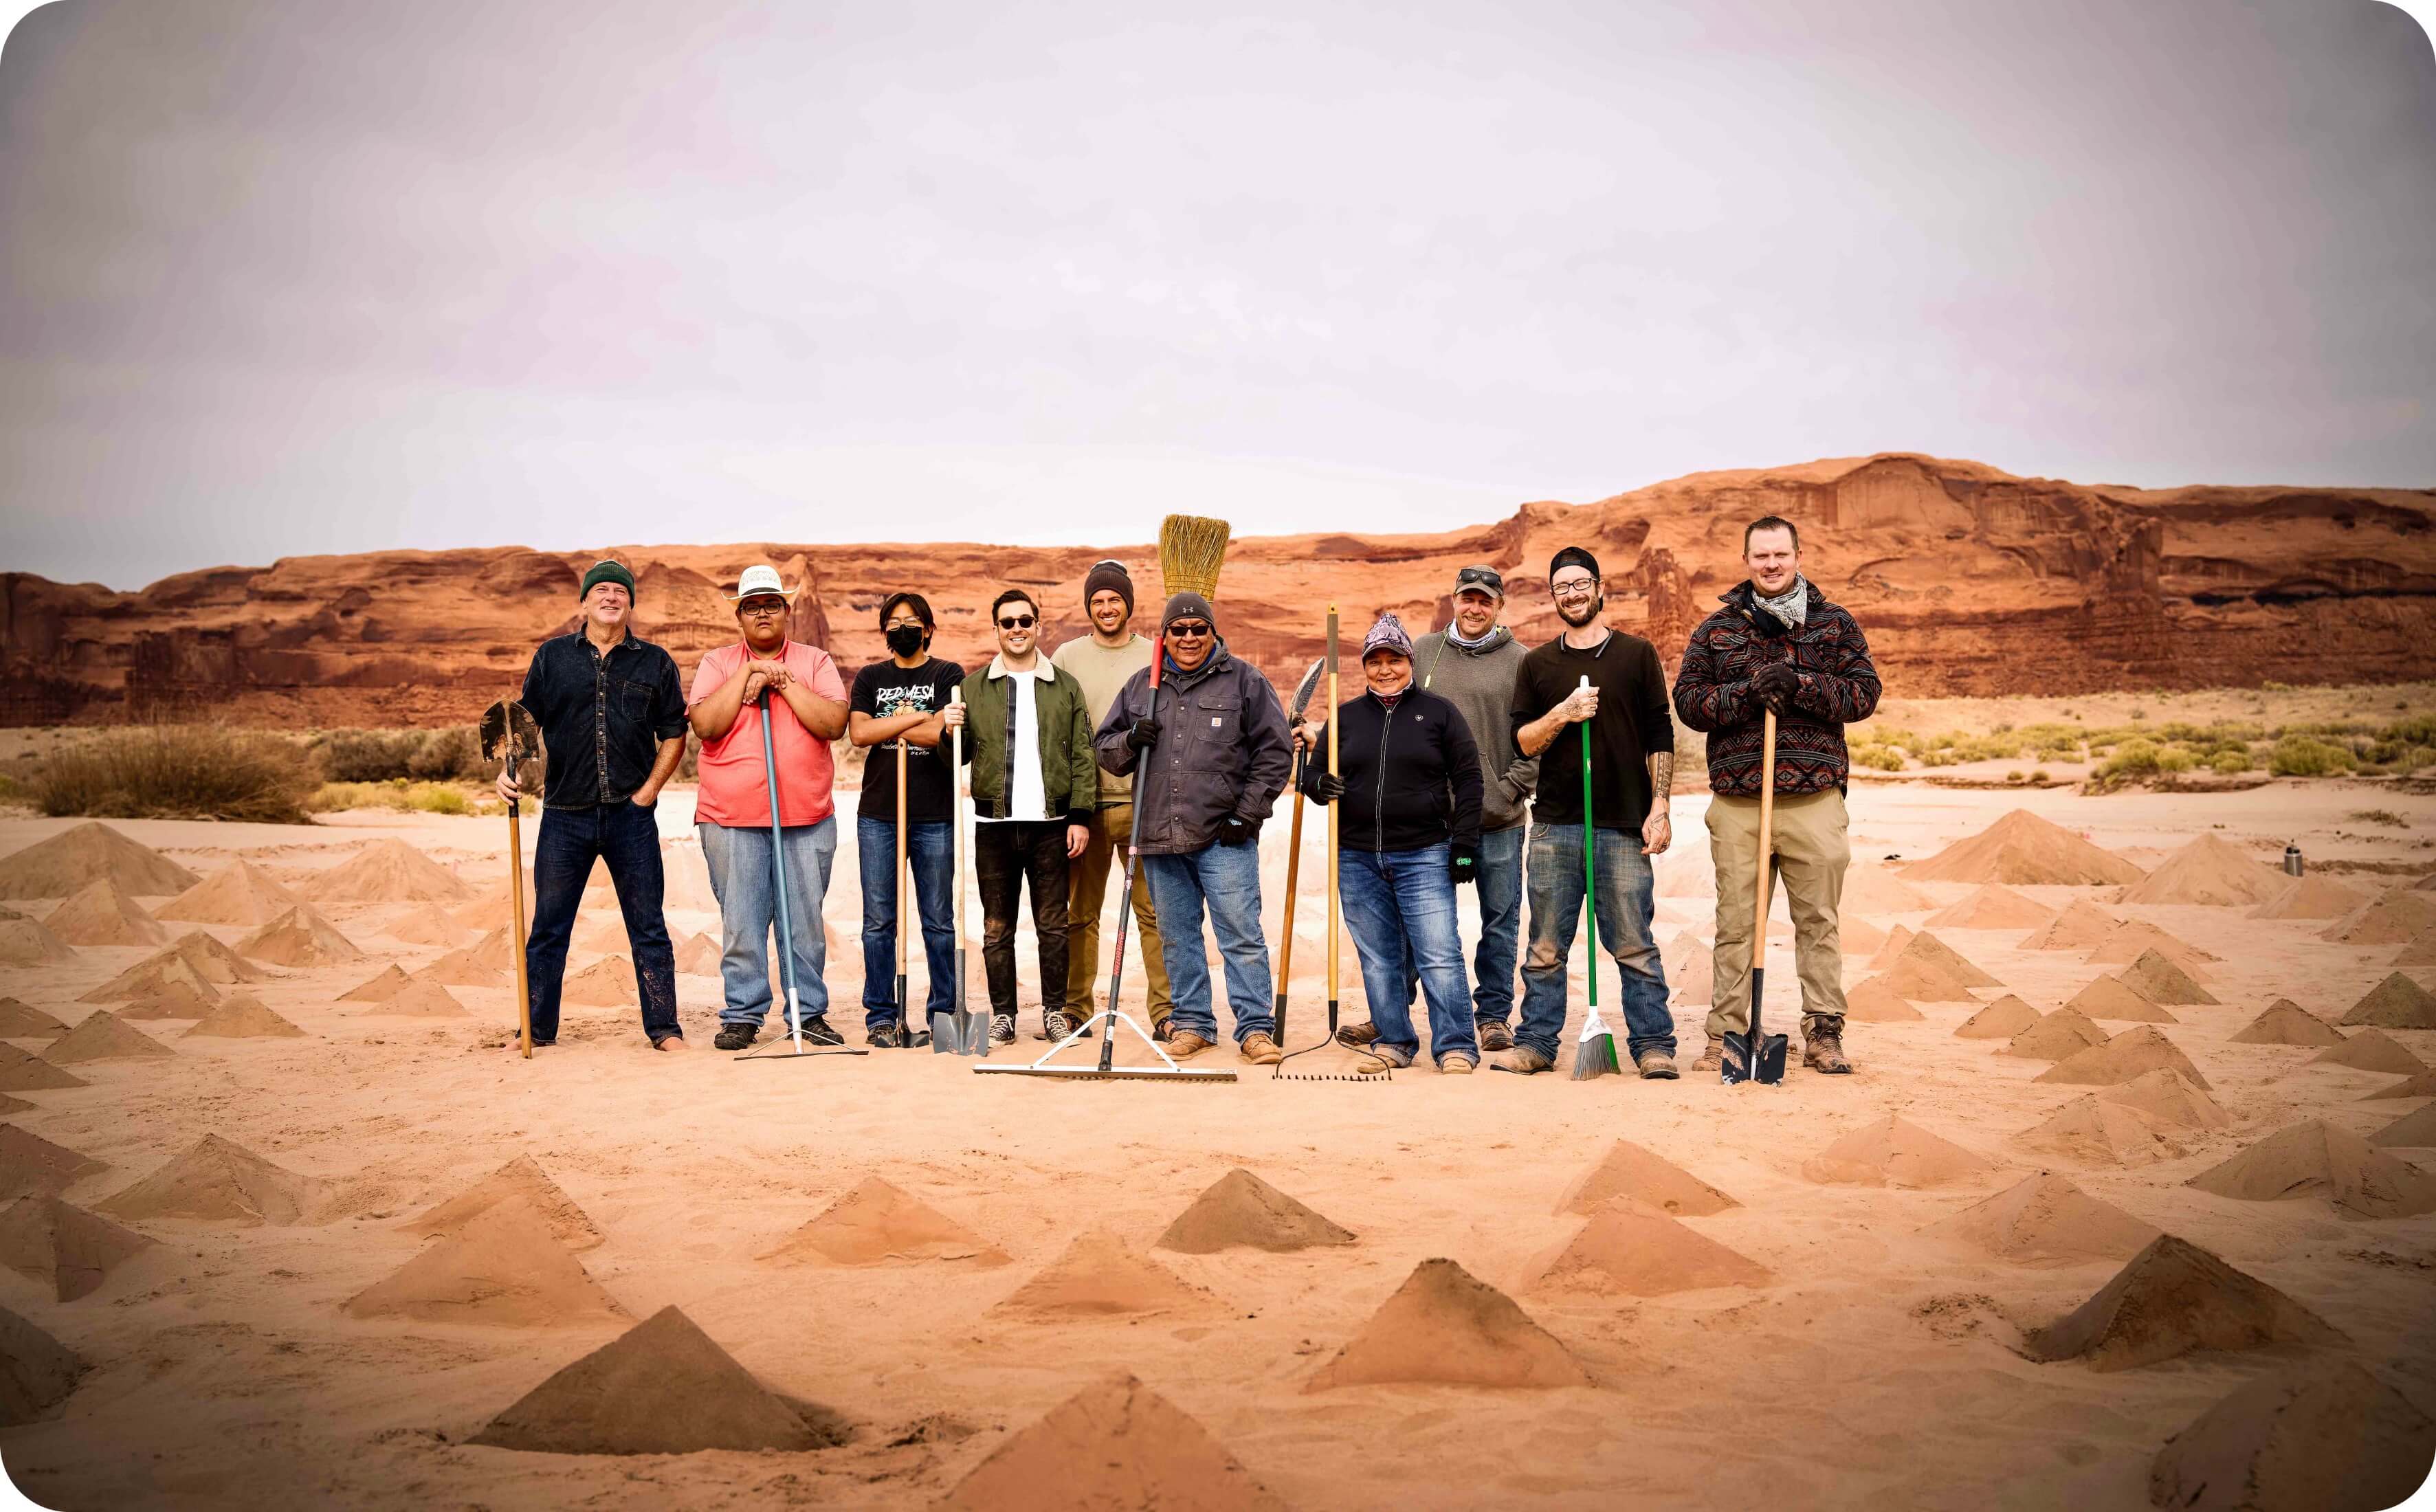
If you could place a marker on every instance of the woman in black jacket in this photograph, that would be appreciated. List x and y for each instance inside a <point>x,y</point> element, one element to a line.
<point>1409,830</point>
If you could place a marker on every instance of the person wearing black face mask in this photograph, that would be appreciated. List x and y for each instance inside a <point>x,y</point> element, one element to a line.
<point>905,698</point>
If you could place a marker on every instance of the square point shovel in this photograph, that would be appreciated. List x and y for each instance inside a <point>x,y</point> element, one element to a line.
<point>1754,1056</point>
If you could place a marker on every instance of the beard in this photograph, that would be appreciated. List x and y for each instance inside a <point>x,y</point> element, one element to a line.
<point>1575,620</point>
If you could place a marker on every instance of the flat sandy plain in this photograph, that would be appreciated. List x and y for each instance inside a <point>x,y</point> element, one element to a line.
<point>1859,1360</point>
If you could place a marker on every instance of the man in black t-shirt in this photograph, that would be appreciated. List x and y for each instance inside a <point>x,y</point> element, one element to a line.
<point>1624,716</point>
<point>905,698</point>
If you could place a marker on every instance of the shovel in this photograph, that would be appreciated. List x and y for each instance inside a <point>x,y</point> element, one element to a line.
<point>509,735</point>
<point>960,1031</point>
<point>1753,1056</point>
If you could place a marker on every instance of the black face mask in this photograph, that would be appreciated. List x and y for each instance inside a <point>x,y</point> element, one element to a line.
<point>904,640</point>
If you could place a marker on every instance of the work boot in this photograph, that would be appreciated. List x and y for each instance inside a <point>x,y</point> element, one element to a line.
<point>1455,1062</point>
<point>1358,1036</point>
<point>1493,1034</point>
<point>1711,1061</point>
<point>1655,1066</point>
<point>1187,1044</point>
<point>1260,1049</point>
<point>885,1037</point>
<point>1521,1060</point>
<point>1388,1057</point>
<point>1163,1030</point>
<point>819,1031</point>
<point>1822,1050</point>
<point>736,1036</point>
<point>1002,1028</point>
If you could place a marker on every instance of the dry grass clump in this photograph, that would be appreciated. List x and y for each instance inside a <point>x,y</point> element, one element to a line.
<point>178,771</point>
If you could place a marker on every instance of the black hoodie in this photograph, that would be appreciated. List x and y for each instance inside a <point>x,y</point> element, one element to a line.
<point>1412,775</point>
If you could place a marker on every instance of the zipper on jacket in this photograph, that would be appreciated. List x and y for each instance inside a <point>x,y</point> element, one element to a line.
<point>1379,797</point>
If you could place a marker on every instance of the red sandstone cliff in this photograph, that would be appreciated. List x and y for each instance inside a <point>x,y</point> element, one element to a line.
<point>1967,580</point>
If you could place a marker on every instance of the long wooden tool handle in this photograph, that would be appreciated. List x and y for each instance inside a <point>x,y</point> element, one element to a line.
<point>1293,870</point>
<point>1334,907</point>
<point>517,905</point>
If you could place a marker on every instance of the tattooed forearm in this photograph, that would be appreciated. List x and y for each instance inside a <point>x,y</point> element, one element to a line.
<point>1662,772</point>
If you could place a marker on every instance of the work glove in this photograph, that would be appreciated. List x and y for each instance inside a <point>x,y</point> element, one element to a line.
<point>1236,831</point>
<point>1463,863</point>
<point>1776,684</point>
<point>1143,735</point>
<point>1328,787</point>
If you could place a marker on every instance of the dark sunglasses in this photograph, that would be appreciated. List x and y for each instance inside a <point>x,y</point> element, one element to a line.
<point>1184,629</point>
<point>1017,622</point>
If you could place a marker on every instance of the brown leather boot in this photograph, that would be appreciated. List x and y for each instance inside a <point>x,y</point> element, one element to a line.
<point>1822,1048</point>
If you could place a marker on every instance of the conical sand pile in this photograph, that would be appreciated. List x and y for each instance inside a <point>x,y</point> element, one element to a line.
<point>2021,850</point>
<point>2172,1298</point>
<point>2064,1033</point>
<point>20,1021</point>
<point>52,1240</point>
<point>1898,940</point>
<point>459,968</point>
<point>425,924</point>
<point>1445,1328</point>
<point>877,1224</point>
<point>1893,1152</point>
<point>2168,1095</point>
<point>1991,906</point>
<point>26,942</point>
<point>102,1037</point>
<point>2109,997</point>
<point>2327,1438</point>
<point>177,999</point>
<point>2395,917</point>
<point>502,1269</point>
<point>37,1372</point>
<point>496,950</point>
<point>1876,889</point>
<point>2317,1160</point>
<point>390,871</point>
<point>697,956</point>
<point>1112,1448</point>
<point>1642,1253</point>
<point>2372,1050</point>
<point>1929,970</point>
<point>33,1165</point>
<point>2211,870</point>
<point>91,852</point>
<point>521,1179</point>
<point>192,957</point>
<point>1099,1277</point>
<point>2002,1019</point>
<point>1239,1211</point>
<point>100,913</point>
<point>381,989</point>
<point>2132,1053</point>
<point>2397,1002</point>
<point>239,892</point>
<point>168,977</point>
<point>419,1000</point>
<point>243,1016</point>
<point>2412,1131</point>
<point>21,1073</point>
<point>2313,897</point>
<point>2046,1221</point>
<point>1692,873</point>
<point>662,1387</point>
<point>221,1182</point>
<point>2286,1022</point>
<point>608,983</point>
<point>1633,1174</point>
<point>1691,969</point>
<point>1873,1002</point>
<point>1855,935</point>
<point>2155,977</point>
<point>2419,955</point>
<point>490,910</point>
<point>2423,1084</point>
<point>607,936</point>
<point>300,937</point>
<point>2087,1132</point>
<point>2128,940</point>
<point>2081,926</point>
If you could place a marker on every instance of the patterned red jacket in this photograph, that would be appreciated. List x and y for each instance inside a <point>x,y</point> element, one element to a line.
<point>1714,693</point>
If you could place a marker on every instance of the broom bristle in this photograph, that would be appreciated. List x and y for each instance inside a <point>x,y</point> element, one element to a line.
<point>1594,1051</point>
<point>1191,549</point>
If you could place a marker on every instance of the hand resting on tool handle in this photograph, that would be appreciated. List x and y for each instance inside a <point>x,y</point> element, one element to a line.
<point>1327,787</point>
<point>1143,735</point>
<point>1776,684</point>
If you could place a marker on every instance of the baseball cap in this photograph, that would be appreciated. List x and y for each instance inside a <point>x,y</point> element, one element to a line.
<point>758,580</point>
<point>1480,577</point>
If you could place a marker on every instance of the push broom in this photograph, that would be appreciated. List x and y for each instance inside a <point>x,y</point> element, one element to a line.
<point>1594,1051</point>
<point>1191,551</point>
<point>786,918</point>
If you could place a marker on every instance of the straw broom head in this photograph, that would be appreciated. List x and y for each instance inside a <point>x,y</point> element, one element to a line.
<point>1191,551</point>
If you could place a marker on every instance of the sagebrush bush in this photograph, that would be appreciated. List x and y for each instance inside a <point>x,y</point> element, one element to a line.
<point>2302,755</point>
<point>413,797</point>
<point>2230,760</point>
<point>2132,758</point>
<point>178,771</point>
<point>384,755</point>
<point>1879,757</point>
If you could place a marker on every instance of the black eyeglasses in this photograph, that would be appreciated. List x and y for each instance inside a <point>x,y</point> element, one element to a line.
<point>1187,629</point>
<point>1017,622</point>
<point>766,606</point>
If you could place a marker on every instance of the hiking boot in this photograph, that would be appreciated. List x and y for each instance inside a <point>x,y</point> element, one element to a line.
<point>1655,1066</point>
<point>1187,1044</point>
<point>1358,1036</point>
<point>1455,1062</point>
<point>1711,1061</point>
<point>1822,1050</point>
<point>1260,1049</point>
<point>819,1031</point>
<point>736,1036</point>
<point>1002,1028</point>
<point>884,1037</point>
<point>1493,1034</point>
<point>1521,1060</point>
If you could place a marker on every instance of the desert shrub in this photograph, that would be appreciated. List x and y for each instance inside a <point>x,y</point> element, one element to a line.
<point>178,771</point>
<point>411,798</point>
<point>2300,755</point>
<point>2040,777</point>
<point>2176,758</point>
<point>2131,759</point>
<point>9,790</point>
<point>2014,776</point>
<point>2420,729</point>
<point>2230,760</point>
<point>386,755</point>
<point>2380,816</point>
<point>1988,748</point>
<point>1879,757</point>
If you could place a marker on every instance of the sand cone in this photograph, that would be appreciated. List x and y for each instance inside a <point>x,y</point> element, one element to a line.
<point>51,1240</point>
<point>503,1268</point>
<point>2065,1033</point>
<point>608,983</point>
<point>2133,938</point>
<point>1898,940</point>
<point>2313,897</point>
<point>608,937</point>
<point>1098,1276</point>
<point>100,913</point>
<point>1875,890</point>
<point>2170,1299</point>
<point>1641,1252</point>
<point>243,1016</point>
<point>1239,1211</point>
<point>2412,1131</point>
<point>1633,1174</point>
<point>425,924</point>
<point>1115,1446</point>
<point>221,1182</point>
<point>418,999</point>
<point>875,1222</point>
<point>2286,1022</point>
<point>25,941</point>
<point>1873,1002</point>
<point>91,852</point>
<point>1855,935</point>
<point>1893,1152</point>
<point>102,1037</point>
<point>495,949</point>
<point>2081,926</point>
<point>300,937</point>
<point>20,1021</point>
<point>486,910</point>
<point>1445,1328</point>
<point>521,1179</point>
<point>37,1372</point>
<point>2317,1160</point>
<point>2046,1221</point>
<point>193,957</point>
<point>2419,955</point>
<point>2132,1053</point>
<point>239,892</point>
<point>2371,1050</point>
<point>2087,1132</point>
<point>2168,1095</point>
<point>2111,999</point>
<point>1929,970</point>
<point>1992,907</point>
<point>2397,1002</point>
<point>389,871</point>
<point>2394,917</point>
<point>662,1387</point>
<point>2423,1084</point>
<point>33,1165</point>
<point>21,1073</point>
<point>2210,870</point>
<point>2021,850</point>
<point>2155,977</point>
<point>697,956</point>
<point>388,984</point>
<point>459,968</point>
<point>177,999</point>
<point>1691,969</point>
<point>2325,1438</point>
<point>2002,1019</point>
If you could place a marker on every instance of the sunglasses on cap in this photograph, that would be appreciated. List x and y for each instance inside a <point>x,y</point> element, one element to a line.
<point>1189,628</point>
<point>1017,622</point>
<point>1488,578</point>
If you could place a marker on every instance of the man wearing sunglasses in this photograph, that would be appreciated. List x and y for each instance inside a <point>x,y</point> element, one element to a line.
<point>1214,756</point>
<point>1035,783</point>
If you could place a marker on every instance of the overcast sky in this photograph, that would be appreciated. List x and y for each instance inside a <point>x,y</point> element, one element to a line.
<point>332,275</point>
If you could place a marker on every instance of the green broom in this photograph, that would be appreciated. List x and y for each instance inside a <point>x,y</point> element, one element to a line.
<point>1594,1051</point>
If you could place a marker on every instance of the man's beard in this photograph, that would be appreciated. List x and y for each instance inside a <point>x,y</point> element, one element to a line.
<point>1589,612</point>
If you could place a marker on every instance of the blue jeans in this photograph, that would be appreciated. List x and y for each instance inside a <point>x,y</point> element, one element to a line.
<point>1500,886</point>
<point>1627,903</point>
<point>1227,879</point>
<point>930,856</point>
<point>627,839</point>
<point>742,878</point>
<point>1400,906</point>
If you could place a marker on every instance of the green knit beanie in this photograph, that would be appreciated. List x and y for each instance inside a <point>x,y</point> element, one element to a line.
<point>607,572</point>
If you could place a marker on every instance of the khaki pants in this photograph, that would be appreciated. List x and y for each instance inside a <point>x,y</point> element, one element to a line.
<point>1807,835</point>
<point>1087,887</point>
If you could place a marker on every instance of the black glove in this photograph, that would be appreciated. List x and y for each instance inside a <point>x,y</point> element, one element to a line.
<point>1328,787</point>
<point>1776,684</point>
<point>1143,735</point>
<point>1463,863</point>
<point>1236,831</point>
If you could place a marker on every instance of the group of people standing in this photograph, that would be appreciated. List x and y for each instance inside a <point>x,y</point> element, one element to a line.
<point>1463,759</point>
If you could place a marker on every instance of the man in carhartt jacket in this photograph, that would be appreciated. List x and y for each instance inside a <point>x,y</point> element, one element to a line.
<point>1778,644</point>
<point>1218,758</point>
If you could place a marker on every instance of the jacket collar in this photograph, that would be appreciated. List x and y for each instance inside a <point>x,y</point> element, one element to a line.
<point>1743,599</point>
<point>1041,670</point>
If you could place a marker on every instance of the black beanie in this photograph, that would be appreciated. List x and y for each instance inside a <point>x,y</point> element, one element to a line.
<point>1186,603</point>
<point>1574,554</point>
<point>1112,577</point>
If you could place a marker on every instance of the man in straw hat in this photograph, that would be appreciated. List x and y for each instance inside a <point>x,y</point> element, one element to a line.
<point>1622,715</point>
<point>1776,643</point>
<point>1221,757</point>
<point>613,726</point>
<point>732,809</point>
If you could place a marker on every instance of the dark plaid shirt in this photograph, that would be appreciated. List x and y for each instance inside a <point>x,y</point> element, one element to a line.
<point>1714,692</point>
<point>602,717</point>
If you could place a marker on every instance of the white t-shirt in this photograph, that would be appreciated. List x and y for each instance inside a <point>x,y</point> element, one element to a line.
<point>1027,795</point>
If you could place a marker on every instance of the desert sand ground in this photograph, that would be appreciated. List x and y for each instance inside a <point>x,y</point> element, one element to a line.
<point>1848,1332</point>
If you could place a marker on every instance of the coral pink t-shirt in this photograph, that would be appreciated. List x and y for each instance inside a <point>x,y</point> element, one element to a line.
<point>735,788</point>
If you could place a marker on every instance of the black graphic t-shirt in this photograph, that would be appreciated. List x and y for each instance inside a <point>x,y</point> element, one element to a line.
<point>885,688</point>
